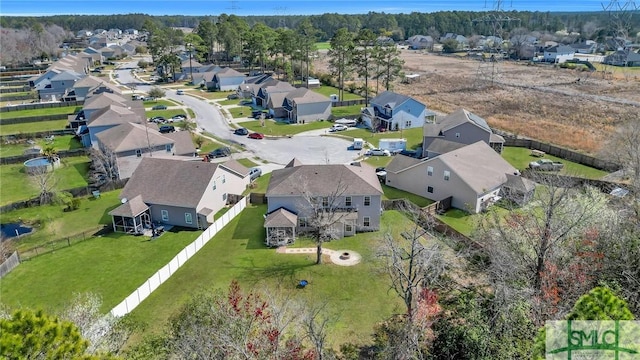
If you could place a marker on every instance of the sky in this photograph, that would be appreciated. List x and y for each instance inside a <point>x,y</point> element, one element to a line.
<point>281,7</point>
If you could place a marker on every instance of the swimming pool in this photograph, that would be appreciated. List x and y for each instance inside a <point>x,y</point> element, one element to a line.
<point>39,163</point>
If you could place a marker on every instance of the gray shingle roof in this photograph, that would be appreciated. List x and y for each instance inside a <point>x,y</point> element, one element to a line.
<point>390,99</point>
<point>442,146</point>
<point>454,119</point>
<point>128,136</point>
<point>478,165</point>
<point>183,143</point>
<point>236,167</point>
<point>103,100</point>
<point>170,182</point>
<point>281,218</point>
<point>519,183</point>
<point>400,163</point>
<point>294,162</point>
<point>322,180</point>
<point>133,207</point>
<point>306,96</point>
<point>114,115</point>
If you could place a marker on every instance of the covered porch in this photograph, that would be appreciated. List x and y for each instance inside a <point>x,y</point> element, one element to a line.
<point>132,217</point>
<point>281,227</point>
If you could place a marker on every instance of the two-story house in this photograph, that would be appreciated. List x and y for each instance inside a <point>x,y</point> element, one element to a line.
<point>98,102</point>
<point>473,176</point>
<point>108,117</point>
<point>462,127</point>
<point>559,54</point>
<point>179,193</point>
<point>393,111</point>
<point>88,86</point>
<point>303,105</point>
<point>268,88</point>
<point>350,194</point>
<point>227,79</point>
<point>130,143</point>
<point>55,88</point>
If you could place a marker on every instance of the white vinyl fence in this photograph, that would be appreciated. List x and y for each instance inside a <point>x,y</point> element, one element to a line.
<point>162,275</point>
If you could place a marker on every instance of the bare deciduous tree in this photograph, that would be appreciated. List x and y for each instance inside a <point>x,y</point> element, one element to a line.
<point>323,213</point>
<point>315,323</point>
<point>104,166</point>
<point>411,265</point>
<point>45,180</point>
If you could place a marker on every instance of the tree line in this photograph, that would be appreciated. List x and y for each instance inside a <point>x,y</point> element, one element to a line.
<point>398,26</point>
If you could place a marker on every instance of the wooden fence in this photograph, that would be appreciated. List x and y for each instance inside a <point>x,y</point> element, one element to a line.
<point>348,103</point>
<point>11,138</point>
<point>563,153</point>
<point>9,264</point>
<point>31,119</point>
<point>9,90</point>
<point>41,105</point>
<point>22,158</point>
<point>19,97</point>
<point>67,241</point>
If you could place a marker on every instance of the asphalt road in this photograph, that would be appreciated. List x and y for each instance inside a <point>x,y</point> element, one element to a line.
<point>308,148</point>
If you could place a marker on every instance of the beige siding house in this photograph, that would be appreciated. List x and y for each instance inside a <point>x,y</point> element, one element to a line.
<point>179,193</point>
<point>473,176</point>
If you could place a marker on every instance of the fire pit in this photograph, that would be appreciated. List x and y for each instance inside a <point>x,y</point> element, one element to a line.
<point>345,256</point>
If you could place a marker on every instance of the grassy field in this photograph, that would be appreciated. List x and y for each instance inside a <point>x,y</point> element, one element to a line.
<point>460,220</point>
<point>112,266</point>
<point>241,111</point>
<point>229,102</point>
<point>247,162</point>
<point>238,252</point>
<point>210,95</point>
<point>521,157</point>
<point>63,142</point>
<point>328,90</point>
<point>342,111</point>
<point>40,112</point>
<point>277,128</point>
<point>16,185</point>
<point>151,103</point>
<point>323,45</point>
<point>378,161</point>
<point>260,185</point>
<point>32,127</point>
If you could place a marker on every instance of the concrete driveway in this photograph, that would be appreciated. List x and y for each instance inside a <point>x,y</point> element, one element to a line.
<point>308,148</point>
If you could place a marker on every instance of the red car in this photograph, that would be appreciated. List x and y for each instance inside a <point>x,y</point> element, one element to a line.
<point>256,136</point>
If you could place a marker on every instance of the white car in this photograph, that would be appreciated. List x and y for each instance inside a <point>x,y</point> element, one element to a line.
<point>338,127</point>
<point>378,152</point>
<point>180,92</point>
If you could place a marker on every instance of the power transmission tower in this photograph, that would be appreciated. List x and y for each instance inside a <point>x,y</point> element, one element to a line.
<point>281,12</point>
<point>619,22</point>
<point>233,6</point>
<point>489,68</point>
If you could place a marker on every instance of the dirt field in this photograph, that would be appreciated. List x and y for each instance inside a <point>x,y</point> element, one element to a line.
<point>575,109</point>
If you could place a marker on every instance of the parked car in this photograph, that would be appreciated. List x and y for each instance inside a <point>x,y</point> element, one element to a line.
<point>178,118</point>
<point>167,129</point>
<point>338,127</point>
<point>220,152</point>
<point>158,119</point>
<point>254,173</point>
<point>546,165</point>
<point>241,131</point>
<point>256,136</point>
<point>378,152</point>
<point>159,107</point>
<point>233,96</point>
<point>410,153</point>
<point>180,92</point>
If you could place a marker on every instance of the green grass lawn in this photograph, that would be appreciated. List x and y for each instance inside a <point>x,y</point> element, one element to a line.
<point>413,136</point>
<point>342,111</point>
<point>260,185</point>
<point>460,220</point>
<point>378,161</point>
<point>111,266</point>
<point>165,113</point>
<point>21,93</point>
<point>247,162</point>
<point>63,142</point>
<point>33,127</point>
<point>521,157</point>
<point>40,112</point>
<point>16,185</point>
<point>323,45</point>
<point>152,103</point>
<point>210,95</point>
<point>242,111</point>
<point>52,223</point>
<point>328,90</point>
<point>393,193</point>
<point>278,128</point>
<point>357,296</point>
<point>229,102</point>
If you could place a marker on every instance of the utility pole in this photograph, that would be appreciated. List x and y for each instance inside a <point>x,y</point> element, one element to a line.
<point>190,47</point>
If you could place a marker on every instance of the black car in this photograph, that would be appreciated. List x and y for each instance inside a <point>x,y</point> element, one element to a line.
<point>220,152</point>
<point>167,129</point>
<point>241,131</point>
<point>410,153</point>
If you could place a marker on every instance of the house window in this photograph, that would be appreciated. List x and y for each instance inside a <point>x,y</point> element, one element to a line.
<point>366,221</point>
<point>430,170</point>
<point>138,153</point>
<point>302,222</point>
<point>407,124</point>
<point>447,175</point>
<point>214,185</point>
<point>430,189</point>
<point>224,179</point>
<point>224,197</point>
<point>347,201</point>
<point>168,147</point>
<point>165,215</point>
<point>187,218</point>
<point>457,135</point>
<point>325,201</point>
<point>348,228</point>
<point>367,200</point>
